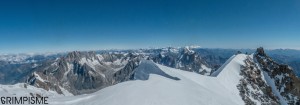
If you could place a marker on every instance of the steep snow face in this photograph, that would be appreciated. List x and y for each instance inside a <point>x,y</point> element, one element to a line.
<point>146,68</point>
<point>158,88</point>
<point>230,74</point>
<point>270,81</point>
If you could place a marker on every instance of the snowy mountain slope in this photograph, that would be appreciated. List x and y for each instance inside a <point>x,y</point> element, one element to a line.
<point>239,81</point>
<point>140,79</point>
<point>22,89</point>
<point>82,72</point>
<point>67,69</point>
<point>190,88</point>
<point>146,68</point>
<point>79,72</point>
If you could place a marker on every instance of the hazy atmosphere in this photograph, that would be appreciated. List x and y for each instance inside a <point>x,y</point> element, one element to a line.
<point>64,25</point>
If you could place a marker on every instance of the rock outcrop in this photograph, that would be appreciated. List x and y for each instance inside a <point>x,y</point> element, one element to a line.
<point>267,82</point>
<point>285,80</point>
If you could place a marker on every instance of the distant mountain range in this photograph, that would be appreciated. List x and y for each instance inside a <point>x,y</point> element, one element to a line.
<point>254,76</point>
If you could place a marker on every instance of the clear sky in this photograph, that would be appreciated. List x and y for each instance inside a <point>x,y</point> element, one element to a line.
<point>64,25</point>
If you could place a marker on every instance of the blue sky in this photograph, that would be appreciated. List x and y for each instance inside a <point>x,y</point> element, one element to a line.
<point>64,25</point>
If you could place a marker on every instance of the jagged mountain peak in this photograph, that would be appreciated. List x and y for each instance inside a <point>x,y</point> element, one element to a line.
<point>285,84</point>
<point>188,49</point>
<point>81,72</point>
<point>80,54</point>
<point>260,51</point>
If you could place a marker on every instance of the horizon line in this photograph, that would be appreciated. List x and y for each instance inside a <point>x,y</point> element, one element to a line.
<point>107,49</point>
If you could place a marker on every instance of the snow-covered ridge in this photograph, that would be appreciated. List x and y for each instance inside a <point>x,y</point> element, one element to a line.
<point>190,88</point>
<point>147,68</point>
<point>217,72</point>
<point>157,84</point>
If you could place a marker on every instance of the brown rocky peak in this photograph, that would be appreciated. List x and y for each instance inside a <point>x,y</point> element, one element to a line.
<point>260,51</point>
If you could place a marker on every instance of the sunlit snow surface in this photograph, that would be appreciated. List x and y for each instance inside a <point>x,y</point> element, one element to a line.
<point>188,89</point>
<point>191,89</point>
<point>23,90</point>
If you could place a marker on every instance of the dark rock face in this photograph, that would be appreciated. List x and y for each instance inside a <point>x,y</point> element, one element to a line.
<point>260,51</point>
<point>169,59</point>
<point>252,86</point>
<point>286,82</point>
<point>184,59</point>
<point>189,60</point>
<point>267,82</point>
<point>127,72</point>
<point>82,72</point>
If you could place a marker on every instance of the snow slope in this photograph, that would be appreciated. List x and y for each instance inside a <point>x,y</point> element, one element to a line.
<point>155,85</point>
<point>22,89</point>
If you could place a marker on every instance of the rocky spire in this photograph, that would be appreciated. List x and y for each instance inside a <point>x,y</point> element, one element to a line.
<point>260,51</point>
<point>285,81</point>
